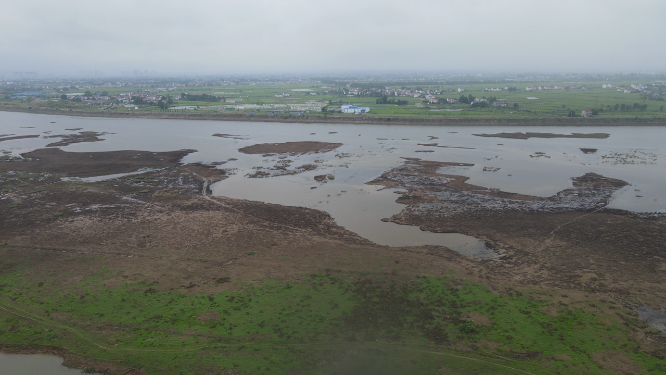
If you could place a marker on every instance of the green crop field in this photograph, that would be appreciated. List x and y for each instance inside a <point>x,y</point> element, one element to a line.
<point>550,103</point>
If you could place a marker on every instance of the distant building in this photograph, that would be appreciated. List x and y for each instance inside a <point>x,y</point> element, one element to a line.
<point>586,113</point>
<point>348,108</point>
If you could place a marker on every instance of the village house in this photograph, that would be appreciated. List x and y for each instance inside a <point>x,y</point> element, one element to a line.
<point>586,113</point>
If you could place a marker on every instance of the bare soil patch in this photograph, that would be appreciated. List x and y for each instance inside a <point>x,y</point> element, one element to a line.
<point>617,362</point>
<point>210,316</point>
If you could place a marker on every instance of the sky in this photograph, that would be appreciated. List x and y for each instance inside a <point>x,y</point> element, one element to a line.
<point>292,36</point>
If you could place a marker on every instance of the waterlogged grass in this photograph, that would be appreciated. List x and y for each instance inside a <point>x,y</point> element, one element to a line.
<point>322,324</point>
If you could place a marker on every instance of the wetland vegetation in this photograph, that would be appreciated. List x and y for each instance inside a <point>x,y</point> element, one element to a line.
<point>152,273</point>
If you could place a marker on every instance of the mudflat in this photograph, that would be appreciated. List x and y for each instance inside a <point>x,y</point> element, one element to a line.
<point>290,147</point>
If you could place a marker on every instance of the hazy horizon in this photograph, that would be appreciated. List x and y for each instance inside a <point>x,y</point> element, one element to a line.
<point>262,37</point>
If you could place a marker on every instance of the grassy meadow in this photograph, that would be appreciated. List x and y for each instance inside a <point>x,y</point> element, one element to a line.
<point>331,323</point>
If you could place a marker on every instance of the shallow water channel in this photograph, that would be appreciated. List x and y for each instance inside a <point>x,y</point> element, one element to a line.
<point>534,166</point>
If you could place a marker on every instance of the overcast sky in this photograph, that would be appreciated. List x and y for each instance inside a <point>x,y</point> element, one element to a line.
<point>291,36</point>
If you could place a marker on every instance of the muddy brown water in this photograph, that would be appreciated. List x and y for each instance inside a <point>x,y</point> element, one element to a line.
<point>535,166</point>
<point>34,364</point>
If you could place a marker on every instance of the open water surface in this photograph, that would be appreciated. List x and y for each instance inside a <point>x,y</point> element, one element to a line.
<point>34,364</point>
<point>535,166</point>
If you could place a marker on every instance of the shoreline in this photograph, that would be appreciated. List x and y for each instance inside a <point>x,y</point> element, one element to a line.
<point>453,121</point>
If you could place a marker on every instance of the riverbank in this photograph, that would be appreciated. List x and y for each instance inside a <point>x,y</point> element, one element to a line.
<point>357,119</point>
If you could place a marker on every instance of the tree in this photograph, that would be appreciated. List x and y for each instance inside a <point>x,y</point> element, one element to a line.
<point>64,97</point>
<point>87,93</point>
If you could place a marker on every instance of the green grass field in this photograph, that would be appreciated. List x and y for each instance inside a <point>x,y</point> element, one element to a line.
<point>324,324</point>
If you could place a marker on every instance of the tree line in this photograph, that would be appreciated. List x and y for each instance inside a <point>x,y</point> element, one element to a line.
<point>385,100</point>
<point>200,97</point>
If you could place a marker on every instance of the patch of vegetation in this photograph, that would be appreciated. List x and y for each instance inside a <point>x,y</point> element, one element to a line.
<point>323,324</point>
<point>26,175</point>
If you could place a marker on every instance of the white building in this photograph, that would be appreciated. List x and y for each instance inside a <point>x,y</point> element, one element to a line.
<point>348,108</point>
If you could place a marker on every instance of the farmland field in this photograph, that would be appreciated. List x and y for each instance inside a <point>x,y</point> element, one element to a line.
<point>257,98</point>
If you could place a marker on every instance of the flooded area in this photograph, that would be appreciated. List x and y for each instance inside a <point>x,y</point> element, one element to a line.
<point>34,364</point>
<point>335,179</point>
<point>655,318</point>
